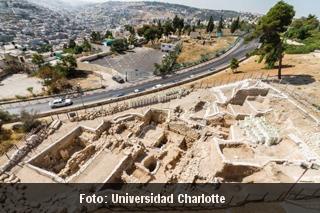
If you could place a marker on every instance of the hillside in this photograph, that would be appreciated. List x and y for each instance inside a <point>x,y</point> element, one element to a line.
<point>24,21</point>
<point>115,12</point>
<point>56,5</point>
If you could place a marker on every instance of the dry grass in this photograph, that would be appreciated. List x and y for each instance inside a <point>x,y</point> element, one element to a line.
<point>193,49</point>
<point>88,82</point>
<point>302,71</point>
<point>11,139</point>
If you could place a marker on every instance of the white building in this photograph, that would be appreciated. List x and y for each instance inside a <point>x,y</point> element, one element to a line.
<point>168,47</point>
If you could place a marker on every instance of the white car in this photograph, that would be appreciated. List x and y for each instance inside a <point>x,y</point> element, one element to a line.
<point>137,91</point>
<point>157,86</point>
<point>61,102</point>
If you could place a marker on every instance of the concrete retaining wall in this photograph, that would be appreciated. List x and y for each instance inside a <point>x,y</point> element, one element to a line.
<point>96,68</point>
<point>94,56</point>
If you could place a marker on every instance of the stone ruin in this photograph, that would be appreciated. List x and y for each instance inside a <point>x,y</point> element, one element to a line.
<point>65,157</point>
<point>229,138</point>
<point>148,147</point>
<point>134,103</point>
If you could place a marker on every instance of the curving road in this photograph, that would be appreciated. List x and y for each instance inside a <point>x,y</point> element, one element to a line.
<point>239,51</point>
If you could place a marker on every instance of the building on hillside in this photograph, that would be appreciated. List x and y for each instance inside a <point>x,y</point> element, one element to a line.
<point>168,47</point>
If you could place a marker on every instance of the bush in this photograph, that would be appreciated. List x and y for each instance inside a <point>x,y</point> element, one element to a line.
<point>59,86</point>
<point>5,116</point>
<point>204,58</point>
<point>29,121</point>
<point>21,97</point>
<point>5,134</point>
<point>310,45</point>
<point>5,146</point>
<point>119,45</point>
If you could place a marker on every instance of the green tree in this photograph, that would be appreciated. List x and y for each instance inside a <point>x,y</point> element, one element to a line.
<point>96,37</point>
<point>168,63</point>
<point>270,28</point>
<point>4,117</point>
<point>48,72</point>
<point>78,49</point>
<point>119,45</point>
<point>210,26</point>
<point>130,28</point>
<point>199,23</point>
<point>72,44</point>
<point>108,34</point>
<point>159,24</point>
<point>302,28</point>
<point>175,23</point>
<point>132,40</point>
<point>168,28</point>
<point>86,45</point>
<point>187,29</point>
<point>69,65</point>
<point>45,48</point>
<point>235,25</point>
<point>150,34</point>
<point>37,59</point>
<point>220,25</point>
<point>234,65</point>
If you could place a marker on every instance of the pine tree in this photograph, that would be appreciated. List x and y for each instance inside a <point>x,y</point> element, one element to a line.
<point>221,25</point>
<point>235,25</point>
<point>210,26</point>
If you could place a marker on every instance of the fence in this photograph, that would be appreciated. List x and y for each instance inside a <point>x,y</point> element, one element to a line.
<point>135,100</point>
<point>75,94</point>
<point>19,153</point>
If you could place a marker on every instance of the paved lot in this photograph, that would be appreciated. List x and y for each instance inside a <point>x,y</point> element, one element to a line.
<point>18,84</point>
<point>137,64</point>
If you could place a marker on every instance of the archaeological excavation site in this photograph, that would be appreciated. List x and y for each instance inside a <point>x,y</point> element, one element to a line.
<point>244,132</point>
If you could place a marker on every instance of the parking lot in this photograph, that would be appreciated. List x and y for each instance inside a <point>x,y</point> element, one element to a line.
<point>136,64</point>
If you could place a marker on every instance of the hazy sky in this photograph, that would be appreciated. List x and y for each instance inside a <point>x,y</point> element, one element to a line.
<point>302,7</point>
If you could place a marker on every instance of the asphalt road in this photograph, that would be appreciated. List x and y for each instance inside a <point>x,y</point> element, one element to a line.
<point>239,52</point>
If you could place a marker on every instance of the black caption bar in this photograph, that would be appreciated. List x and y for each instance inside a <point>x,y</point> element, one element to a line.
<point>154,197</point>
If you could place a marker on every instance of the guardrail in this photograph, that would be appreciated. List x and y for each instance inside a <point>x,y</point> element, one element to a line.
<point>221,52</point>
<point>147,92</point>
<point>45,97</point>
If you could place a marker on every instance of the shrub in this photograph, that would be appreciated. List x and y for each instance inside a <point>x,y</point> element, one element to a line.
<point>29,121</point>
<point>5,116</point>
<point>20,97</point>
<point>4,146</point>
<point>119,45</point>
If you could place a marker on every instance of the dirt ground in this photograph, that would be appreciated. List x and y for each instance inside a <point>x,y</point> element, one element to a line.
<point>193,49</point>
<point>301,71</point>
<point>88,82</point>
<point>18,84</point>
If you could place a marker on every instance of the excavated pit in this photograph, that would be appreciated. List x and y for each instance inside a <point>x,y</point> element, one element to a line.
<point>230,133</point>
